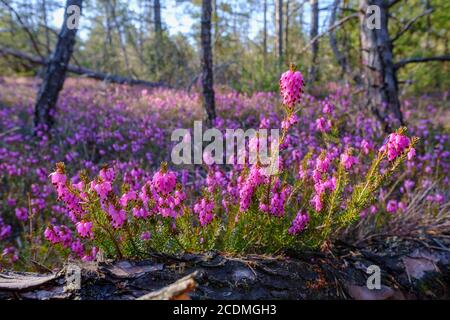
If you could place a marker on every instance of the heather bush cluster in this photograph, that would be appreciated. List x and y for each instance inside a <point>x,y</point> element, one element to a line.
<point>103,182</point>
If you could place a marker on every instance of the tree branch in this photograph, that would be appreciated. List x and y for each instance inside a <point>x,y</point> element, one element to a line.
<point>24,27</point>
<point>80,70</point>
<point>409,24</point>
<point>404,62</point>
<point>336,25</point>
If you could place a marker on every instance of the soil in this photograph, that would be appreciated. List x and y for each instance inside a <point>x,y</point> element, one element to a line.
<point>410,269</point>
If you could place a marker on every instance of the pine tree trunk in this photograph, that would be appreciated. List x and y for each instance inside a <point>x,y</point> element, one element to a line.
<point>279,29</point>
<point>379,75</point>
<point>157,13</point>
<point>286,32</point>
<point>55,74</point>
<point>313,70</point>
<point>207,63</point>
<point>265,35</point>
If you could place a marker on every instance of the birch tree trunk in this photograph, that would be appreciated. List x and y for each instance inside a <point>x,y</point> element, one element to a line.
<point>56,73</point>
<point>379,74</point>
<point>207,63</point>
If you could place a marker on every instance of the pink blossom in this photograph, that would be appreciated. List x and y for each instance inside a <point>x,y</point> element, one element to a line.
<point>118,216</point>
<point>22,214</point>
<point>204,208</point>
<point>145,236</point>
<point>392,206</point>
<point>411,153</point>
<point>164,182</point>
<point>299,223</point>
<point>84,229</point>
<point>348,161</point>
<point>291,83</point>
<point>323,125</point>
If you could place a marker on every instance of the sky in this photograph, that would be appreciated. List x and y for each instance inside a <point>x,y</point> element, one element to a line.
<point>177,19</point>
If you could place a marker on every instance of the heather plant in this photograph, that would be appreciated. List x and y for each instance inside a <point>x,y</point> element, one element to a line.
<point>238,209</point>
<point>329,145</point>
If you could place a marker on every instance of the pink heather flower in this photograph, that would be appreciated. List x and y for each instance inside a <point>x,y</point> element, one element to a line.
<point>411,153</point>
<point>317,202</point>
<point>11,253</point>
<point>84,229</point>
<point>292,120</point>
<point>140,213</point>
<point>396,144</point>
<point>107,174</point>
<point>254,179</point>
<point>164,182</point>
<point>327,107</point>
<point>439,198</point>
<point>322,164</point>
<point>348,161</point>
<point>5,230</point>
<point>323,125</point>
<point>392,206</point>
<point>126,197</point>
<point>118,216</point>
<point>299,223</point>
<point>204,209</point>
<point>58,178</point>
<point>103,189</point>
<point>77,248</point>
<point>365,146</point>
<point>145,236</point>
<point>291,83</point>
<point>330,184</point>
<point>92,255</point>
<point>22,214</point>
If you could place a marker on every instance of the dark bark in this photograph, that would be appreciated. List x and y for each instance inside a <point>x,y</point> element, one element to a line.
<point>56,73</point>
<point>157,17</point>
<point>279,22</point>
<point>286,31</point>
<point>410,269</point>
<point>85,72</point>
<point>314,31</point>
<point>265,34</point>
<point>338,54</point>
<point>404,62</point>
<point>207,63</point>
<point>379,74</point>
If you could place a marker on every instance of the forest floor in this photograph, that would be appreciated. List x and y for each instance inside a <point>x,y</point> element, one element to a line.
<point>410,269</point>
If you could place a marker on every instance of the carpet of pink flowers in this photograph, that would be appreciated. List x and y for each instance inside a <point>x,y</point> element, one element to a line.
<point>104,183</point>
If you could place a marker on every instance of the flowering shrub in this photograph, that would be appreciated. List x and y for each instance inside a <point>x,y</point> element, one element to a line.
<point>112,195</point>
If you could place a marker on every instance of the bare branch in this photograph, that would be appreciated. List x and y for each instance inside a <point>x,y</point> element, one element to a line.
<point>409,24</point>
<point>24,27</point>
<point>336,25</point>
<point>404,62</point>
<point>80,70</point>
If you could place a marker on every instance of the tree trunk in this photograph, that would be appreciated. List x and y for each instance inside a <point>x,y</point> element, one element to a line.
<point>279,30</point>
<point>55,74</point>
<point>157,13</point>
<point>265,35</point>
<point>379,75</point>
<point>286,31</point>
<point>314,31</point>
<point>207,63</point>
